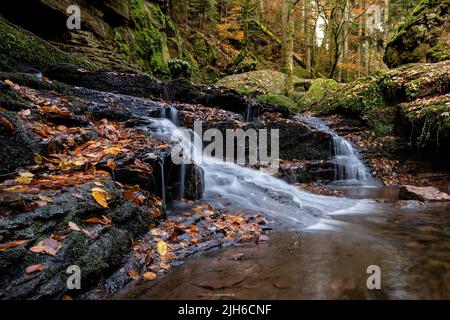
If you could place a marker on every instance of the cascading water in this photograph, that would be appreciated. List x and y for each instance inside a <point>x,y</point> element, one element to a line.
<point>349,168</point>
<point>238,187</point>
<point>228,183</point>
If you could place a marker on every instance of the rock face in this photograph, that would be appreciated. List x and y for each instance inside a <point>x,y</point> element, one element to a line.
<point>425,37</point>
<point>125,35</point>
<point>22,48</point>
<point>422,194</point>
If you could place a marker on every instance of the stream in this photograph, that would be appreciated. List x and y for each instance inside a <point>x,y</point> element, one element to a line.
<point>324,245</point>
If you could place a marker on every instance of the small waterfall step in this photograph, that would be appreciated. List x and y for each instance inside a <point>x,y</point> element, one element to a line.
<point>349,166</point>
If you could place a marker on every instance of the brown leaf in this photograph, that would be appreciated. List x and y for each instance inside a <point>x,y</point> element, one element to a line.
<point>12,244</point>
<point>34,268</point>
<point>133,274</point>
<point>48,246</point>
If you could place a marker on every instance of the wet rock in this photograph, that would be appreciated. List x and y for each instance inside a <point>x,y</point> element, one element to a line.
<point>307,171</point>
<point>17,145</point>
<point>94,259</point>
<point>142,85</point>
<point>422,194</point>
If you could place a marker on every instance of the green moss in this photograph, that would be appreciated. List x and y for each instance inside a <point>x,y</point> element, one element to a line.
<point>302,73</point>
<point>258,82</point>
<point>179,69</point>
<point>317,91</point>
<point>277,100</point>
<point>19,47</point>
<point>422,37</point>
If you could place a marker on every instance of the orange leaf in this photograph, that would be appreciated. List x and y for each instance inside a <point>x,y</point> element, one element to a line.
<point>12,244</point>
<point>34,268</point>
<point>100,197</point>
<point>149,276</point>
<point>133,274</point>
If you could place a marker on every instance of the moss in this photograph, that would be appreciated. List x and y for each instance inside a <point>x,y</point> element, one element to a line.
<point>302,73</point>
<point>317,91</point>
<point>179,69</point>
<point>422,37</point>
<point>144,42</point>
<point>277,100</point>
<point>19,47</point>
<point>257,83</point>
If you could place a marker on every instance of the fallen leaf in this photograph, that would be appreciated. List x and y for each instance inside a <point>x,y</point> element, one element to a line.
<point>100,197</point>
<point>73,226</point>
<point>149,275</point>
<point>25,177</point>
<point>12,244</point>
<point>133,274</point>
<point>161,248</point>
<point>34,268</point>
<point>25,112</point>
<point>48,246</point>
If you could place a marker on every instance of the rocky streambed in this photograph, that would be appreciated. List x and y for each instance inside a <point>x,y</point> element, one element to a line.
<point>87,180</point>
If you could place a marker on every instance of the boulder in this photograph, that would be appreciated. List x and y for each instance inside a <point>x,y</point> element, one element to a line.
<point>424,37</point>
<point>318,90</point>
<point>17,145</point>
<point>422,194</point>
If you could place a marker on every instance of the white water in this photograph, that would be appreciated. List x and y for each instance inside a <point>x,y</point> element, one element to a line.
<point>232,185</point>
<point>349,167</point>
<point>238,187</point>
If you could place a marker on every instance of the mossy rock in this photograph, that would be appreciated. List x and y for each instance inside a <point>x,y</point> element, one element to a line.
<point>277,100</point>
<point>416,92</point>
<point>424,37</point>
<point>256,83</point>
<point>22,48</point>
<point>318,90</point>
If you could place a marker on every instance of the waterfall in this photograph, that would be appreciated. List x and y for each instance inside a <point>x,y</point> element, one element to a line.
<point>163,181</point>
<point>228,184</point>
<point>173,115</point>
<point>349,167</point>
<point>237,187</point>
<point>182,179</point>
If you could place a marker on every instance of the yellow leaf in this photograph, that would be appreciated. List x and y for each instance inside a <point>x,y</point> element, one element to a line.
<point>37,158</point>
<point>25,177</point>
<point>161,247</point>
<point>149,276</point>
<point>112,150</point>
<point>100,198</point>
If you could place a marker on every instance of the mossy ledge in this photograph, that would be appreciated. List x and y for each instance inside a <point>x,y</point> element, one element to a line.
<point>20,48</point>
<point>414,97</point>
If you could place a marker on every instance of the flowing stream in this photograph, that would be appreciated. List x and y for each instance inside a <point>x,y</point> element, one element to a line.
<point>326,243</point>
<point>238,187</point>
<point>349,167</point>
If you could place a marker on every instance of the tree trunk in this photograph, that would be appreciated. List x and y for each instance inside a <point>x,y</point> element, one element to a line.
<point>287,42</point>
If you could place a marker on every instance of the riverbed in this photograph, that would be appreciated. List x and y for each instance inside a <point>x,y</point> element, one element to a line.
<point>409,241</point>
